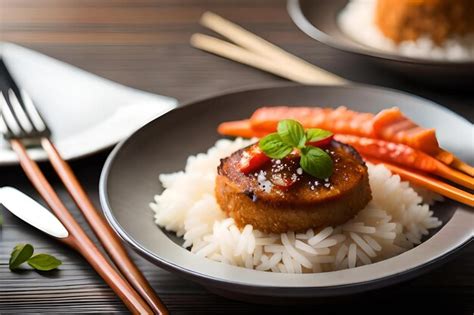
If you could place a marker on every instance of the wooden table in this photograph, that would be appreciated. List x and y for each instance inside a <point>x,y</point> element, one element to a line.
<point>144,44</point>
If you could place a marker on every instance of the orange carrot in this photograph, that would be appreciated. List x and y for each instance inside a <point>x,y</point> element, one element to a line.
<point>389,124</point>
<point>404,155</point>
<point>446,157</point>
<point>387,117</point>
<point>462,166</point>
<point>339,120</point>
<point>390,152</point>
<point>239,128</point>
<point>267,118</point>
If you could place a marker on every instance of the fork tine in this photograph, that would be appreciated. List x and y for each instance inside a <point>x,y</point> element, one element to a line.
<point>33,113</point>
<point>9,118</point>
<point>3,126</point>
<point>20,113</point>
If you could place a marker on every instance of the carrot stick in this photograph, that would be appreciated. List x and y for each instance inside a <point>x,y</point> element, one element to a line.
<point>391,152</point>
<point>450,159</point>
<point>462,166</point>
<point>389,124</point>
<point>239,128</point>
<point>339,120</point>
<point>445,157</point>
<point>407,156</point>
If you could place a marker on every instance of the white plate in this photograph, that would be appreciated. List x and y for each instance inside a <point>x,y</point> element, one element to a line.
<point>86,113</point>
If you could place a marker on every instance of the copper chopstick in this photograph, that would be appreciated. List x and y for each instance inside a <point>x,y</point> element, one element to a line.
<point>78,239</point>
<point>428,182</point>
<point>103,231</point>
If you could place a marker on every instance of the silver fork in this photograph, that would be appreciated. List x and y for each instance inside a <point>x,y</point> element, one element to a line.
<point>22,123</point>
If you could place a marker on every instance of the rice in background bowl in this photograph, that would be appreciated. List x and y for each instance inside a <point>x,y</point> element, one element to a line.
<point>357,21</point>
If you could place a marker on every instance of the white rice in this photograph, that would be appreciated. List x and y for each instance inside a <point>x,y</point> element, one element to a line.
<point>357,21</point>
<point>393,222</point>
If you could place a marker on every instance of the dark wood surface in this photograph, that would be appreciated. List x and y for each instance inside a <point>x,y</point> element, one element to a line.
<point>144,44</point>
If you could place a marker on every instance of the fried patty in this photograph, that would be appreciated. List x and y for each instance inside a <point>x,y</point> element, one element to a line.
<point>257,199</point>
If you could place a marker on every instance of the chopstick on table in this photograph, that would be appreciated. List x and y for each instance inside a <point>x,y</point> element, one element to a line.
<point>259,53</point>
<point>254,51</point>
<point>241,55</point>
<point>22,121</point>
<point>102,229</point>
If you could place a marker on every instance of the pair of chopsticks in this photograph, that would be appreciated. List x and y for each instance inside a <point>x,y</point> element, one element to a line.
<point>252,50</point>
<point>105,234</point>
<point>22,122</point>
<point>428,182</point>
<point>77,238</point>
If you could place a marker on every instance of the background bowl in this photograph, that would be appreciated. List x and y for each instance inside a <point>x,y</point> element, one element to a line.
<point>318,19</point>
<point>130,180</point>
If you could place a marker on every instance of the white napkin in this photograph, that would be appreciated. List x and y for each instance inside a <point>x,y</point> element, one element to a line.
<point>85,112</point>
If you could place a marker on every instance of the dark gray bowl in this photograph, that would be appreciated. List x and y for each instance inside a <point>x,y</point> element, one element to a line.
<point>130,180</point>
<point>318,19</point>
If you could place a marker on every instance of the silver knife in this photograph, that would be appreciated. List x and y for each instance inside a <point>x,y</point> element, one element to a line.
<point>32,212</point>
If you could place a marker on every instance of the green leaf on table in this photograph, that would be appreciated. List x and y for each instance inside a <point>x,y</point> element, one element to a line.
<point>292,133</point>
<point>44,262</point>
<point>20,254</point>
<point>316,162</point>
<point>273,146</point>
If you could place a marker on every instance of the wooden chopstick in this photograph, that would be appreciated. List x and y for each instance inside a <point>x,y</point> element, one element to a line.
<point>103,231</point>
<point>78,239</point>
<point>428,182</point>
<point>263,48</point>
<point>241,55</point>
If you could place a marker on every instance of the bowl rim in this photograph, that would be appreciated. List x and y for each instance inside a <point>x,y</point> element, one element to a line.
<point>299,18</point>
<point>392,270</point>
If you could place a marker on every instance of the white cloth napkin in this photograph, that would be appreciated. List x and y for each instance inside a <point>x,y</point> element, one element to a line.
<point>85,112</point>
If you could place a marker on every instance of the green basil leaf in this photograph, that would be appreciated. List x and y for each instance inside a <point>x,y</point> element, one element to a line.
<point>291,132</point>
<point>44,262</point>
<point>274,147</point>
<point>315,134</point>
<point>316,162</point>
<point>20,254</point>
